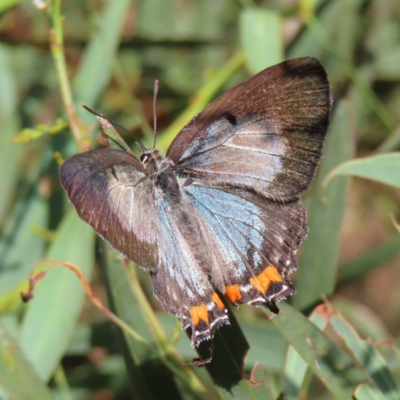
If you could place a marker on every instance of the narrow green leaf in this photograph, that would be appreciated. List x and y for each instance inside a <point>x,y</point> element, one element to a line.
<point>367,391</point>
<point>97,63</point>
<point>53,312</point>
<point>296,369</point>
<point>255,26</point>
<point>6,4</point>
<point>328,362</point>
<point>114,139</point>
<point>246,389</point>
<point>10,155</point>
<point>20,247</point>
<point>391,143</point>
<point>385,65</point>
<point>8,84</point>
<point>367,356</point>
<point>307,44</point>
<point>267,345</point>
<point>365,321</point>
<point>325,213</point>
<point>198,20</point>
<point>383,168</point>
<point>358,267</point>
<point>18,378</point>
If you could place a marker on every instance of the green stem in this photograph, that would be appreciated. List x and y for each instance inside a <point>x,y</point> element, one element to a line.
<point>391,143</point>
<point>57,49</point>
<point>61,381</point>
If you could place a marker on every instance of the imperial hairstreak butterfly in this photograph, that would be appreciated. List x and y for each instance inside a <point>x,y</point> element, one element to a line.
<point>220,214</point>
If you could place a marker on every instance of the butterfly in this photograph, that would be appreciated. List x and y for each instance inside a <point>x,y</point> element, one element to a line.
<point>220,215</point>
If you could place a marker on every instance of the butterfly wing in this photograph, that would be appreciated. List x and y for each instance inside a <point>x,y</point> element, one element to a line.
<point>181,282</point>
<point>253,241</point>
<point>224,240</point>
<point>260,141</point>
<point>266,134</point>
<point>111,192</point>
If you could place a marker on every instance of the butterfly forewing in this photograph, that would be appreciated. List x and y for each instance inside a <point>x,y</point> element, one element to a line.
<point>266,134</point>
<point>111,192</point>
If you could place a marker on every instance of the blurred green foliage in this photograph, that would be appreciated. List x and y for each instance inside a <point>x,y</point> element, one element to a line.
<point>107,54</point>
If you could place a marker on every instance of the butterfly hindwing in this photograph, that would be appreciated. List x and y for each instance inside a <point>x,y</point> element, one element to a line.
<point>253,241</point>
<point>266,134</point>
<point>229,241</point>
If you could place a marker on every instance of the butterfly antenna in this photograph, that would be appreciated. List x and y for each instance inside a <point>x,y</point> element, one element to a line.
<point>117,126</point>
<point>154,111</point>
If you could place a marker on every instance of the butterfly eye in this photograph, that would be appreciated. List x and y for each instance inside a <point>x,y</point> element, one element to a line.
<point>144,158</point>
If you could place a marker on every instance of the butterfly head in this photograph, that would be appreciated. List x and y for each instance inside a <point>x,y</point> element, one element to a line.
<point>151,160</point>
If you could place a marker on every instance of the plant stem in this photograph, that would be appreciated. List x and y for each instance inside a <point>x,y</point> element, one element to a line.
<point>57,49</point>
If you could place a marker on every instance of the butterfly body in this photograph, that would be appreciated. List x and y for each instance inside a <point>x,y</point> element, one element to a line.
<point>221,213</point>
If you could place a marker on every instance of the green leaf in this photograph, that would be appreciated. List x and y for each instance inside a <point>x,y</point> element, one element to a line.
<point>197,20</point>
<point>20,247</point>
<point>328,362</point>
<point>358,267</point>
<point>367,391</point>
<point>383,168</point>
<point>255,26</point>
<point>363,319</point>
<point>18,379</point>
<point>6,4</point>
<point>296,372</point>
<point>385,65</point>
<point>11,156</point>
<point>367,356</point>
<point>319,253</point>
<point>114,139</point>
<point>98,60</point>
<point>53,312</point>
<point>8,84</point>
<point>267,345</point>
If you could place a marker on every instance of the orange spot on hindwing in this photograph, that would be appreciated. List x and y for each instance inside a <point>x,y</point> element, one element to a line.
<point>218,301</point>
<point>199,313</point>
<point>262,281</point>
<point>233,293</point>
